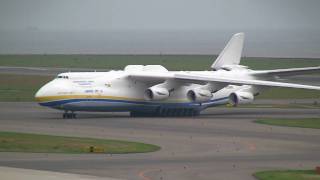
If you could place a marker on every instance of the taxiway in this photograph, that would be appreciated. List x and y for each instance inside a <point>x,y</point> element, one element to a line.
<point>222,143</point>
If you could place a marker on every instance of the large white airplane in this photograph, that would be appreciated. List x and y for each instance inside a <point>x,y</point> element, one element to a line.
<point>152,90</point>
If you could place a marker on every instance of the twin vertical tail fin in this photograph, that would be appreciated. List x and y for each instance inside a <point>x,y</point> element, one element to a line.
<point>231,54</point>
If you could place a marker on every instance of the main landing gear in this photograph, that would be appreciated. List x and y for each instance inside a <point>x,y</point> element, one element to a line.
<point>69,115</point>
<point>167,112</point>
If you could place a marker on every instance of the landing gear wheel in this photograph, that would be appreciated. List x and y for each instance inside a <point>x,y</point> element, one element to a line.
<point>68,115</point>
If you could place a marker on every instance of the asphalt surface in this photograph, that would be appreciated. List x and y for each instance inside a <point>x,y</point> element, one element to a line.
<point>311,79</point>
<point>42,71</point>
<point>222,143</point>
<point>7,173</point>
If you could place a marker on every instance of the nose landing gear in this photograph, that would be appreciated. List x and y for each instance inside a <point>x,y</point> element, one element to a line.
<point>69,115</point>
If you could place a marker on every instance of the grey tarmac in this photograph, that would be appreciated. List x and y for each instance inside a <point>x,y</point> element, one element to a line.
<point>221,143</point>
<point>311,79</point>
<point>42,71</point>
<point>22,174</point>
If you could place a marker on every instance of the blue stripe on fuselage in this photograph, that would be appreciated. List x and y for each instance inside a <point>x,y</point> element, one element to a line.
<point>67,101</point>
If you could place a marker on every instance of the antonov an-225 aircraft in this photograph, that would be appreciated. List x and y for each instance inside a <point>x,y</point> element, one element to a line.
<point>152,90</point>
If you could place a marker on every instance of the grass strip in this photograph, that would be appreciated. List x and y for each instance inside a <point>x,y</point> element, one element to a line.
<point>287,175</point>
<point>20,87</point>
<point>37,143</point>
<point>303,123</point>
<point>172,62</point>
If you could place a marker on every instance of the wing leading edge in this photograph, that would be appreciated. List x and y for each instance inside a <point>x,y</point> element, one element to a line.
<point>235,81</point>
<point>201,79</point>
<point>287,72</point>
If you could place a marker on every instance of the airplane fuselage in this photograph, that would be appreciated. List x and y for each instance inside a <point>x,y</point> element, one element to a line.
<point>153,90</point>
<point>116,91</point>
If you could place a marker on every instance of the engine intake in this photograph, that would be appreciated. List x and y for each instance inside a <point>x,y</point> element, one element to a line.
<point>156,93</point>
<point>199,95</point>
<point>237,98</point>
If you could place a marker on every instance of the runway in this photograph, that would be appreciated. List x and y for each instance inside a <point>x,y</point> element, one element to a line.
<point>43,71</point>
<point>311,79</point>
<point>222,143</point>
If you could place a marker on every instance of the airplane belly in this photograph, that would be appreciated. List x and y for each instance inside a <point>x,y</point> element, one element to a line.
<point>103,106</point>
<point>109,105</point>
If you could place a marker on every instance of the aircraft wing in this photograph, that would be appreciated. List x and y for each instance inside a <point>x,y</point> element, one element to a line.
<point>202,79</point>
<point>287,72</point>
<point>236,81</point>
<point>149,77</point>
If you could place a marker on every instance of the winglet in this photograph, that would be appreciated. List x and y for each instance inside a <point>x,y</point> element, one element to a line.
<point>231,54</point>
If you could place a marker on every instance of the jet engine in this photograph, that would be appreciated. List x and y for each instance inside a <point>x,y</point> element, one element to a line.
<point>156,93</point>
<point>199,95</point>
<point>240,98</point>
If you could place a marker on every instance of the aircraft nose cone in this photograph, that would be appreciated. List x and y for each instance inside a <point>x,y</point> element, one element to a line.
<point>51,89</point>
<point>40,94</point>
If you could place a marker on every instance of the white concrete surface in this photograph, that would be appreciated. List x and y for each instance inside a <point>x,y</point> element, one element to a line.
<point>8,173</point>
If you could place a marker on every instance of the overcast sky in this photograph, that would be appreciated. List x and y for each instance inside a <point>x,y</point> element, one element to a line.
<point>278,28</point>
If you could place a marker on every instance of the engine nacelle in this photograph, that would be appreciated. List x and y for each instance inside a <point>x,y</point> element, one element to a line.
<point>156,93</point>
<point>240,98</point>
<point>199,95</point>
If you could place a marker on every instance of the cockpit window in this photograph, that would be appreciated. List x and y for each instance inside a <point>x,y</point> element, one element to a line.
<point>62,77</point>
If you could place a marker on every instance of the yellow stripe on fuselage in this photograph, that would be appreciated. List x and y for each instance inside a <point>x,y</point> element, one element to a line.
<point>64,97</point>
<point>42,99</point>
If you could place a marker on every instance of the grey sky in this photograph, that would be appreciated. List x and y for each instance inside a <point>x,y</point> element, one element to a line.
<point>286,28</point>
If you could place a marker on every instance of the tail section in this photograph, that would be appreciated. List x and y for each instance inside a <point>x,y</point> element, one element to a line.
<point>231,54</point>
